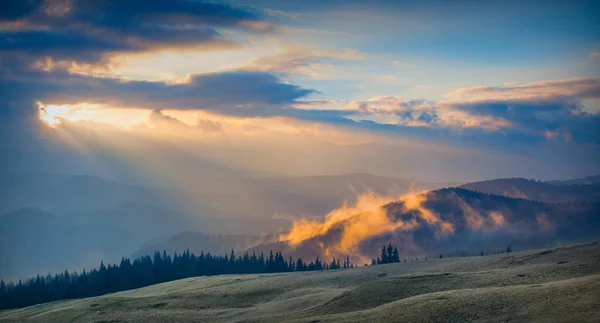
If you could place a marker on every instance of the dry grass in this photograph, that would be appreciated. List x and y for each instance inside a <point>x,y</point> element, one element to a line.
<point>555,285</point>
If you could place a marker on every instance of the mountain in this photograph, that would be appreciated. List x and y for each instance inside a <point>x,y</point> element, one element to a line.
<point>198,242</point>
<point>477,222</point>
<point>53,221</point>
<point>26,219</point>
<point>446,220</point>
<point>35,241</point>
<point>537,191</point>
<point>254,197</point>
<point>578,181</point>
<point>62,194</point>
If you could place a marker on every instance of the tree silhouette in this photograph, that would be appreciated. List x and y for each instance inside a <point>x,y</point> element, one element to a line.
<point>143,271</point>
<point>395,255</point>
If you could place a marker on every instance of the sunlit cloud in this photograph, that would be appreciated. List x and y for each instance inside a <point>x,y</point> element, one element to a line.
<point>569,88</point>
<point>54,115</point>
<point>296,59</point>
<point>211,74</point>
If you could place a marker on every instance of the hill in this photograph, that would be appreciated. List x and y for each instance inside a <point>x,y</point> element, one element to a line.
<point>439,221</point>
<point>33,241</point>
<point>558,284</point>
<point>197,242</point>
<point>578,181</point>
<point>539,191</point>
<point>66,221</point>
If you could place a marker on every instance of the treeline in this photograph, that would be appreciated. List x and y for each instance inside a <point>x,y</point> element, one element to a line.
<point>388,255</point>
<point>145,271</point>
<point>159,268</point>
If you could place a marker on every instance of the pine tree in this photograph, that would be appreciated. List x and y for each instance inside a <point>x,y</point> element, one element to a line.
<point>395,255</point>
<point>384,255</point>
<point>146,270</point>
<point>390,251</point>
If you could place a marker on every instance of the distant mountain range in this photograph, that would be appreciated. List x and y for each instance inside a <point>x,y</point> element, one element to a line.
<point>33,240</point>
<point>254,197</point>
<point>52,222</point>
<point>479,221</point>
<point>80,220</point>
<point>578,181</point>
<point>550,192</point>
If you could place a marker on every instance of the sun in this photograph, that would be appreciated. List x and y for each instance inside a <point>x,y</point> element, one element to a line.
<point>54,114</point>
<point>51,114</point>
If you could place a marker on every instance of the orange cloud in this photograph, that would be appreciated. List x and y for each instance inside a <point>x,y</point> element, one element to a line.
<point>588,87</point>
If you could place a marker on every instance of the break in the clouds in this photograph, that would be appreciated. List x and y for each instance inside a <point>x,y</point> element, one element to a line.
<point>314,67</point>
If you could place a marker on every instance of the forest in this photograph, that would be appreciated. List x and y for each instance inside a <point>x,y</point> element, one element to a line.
<point>149,270</point>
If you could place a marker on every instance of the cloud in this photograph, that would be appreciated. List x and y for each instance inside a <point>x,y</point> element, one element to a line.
<point>37,38</point>
<point>280,14</point>
<point>595,54</point>
<point>549,110</point>
<point>237,92</point>
<point>86,30</point>
<point>576,88</point>
<point>552,109</point>
<point>316,63</point>
<point>540,111</point>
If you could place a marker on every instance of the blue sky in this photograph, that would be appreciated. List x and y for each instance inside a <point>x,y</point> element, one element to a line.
<point>515,41</point>
<point>515,80</point>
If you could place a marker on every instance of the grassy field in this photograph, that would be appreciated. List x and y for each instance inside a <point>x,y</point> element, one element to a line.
<point>551,285</point>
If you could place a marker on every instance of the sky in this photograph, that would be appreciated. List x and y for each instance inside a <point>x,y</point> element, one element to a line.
<point>429,90</point>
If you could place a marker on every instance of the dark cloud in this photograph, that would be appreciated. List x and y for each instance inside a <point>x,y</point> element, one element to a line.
<point>60,45</point>
<point>84,30</point>
<point>243,93</point>
<point>548,110</point>
<point>552,119</point>
<point>16,9</point>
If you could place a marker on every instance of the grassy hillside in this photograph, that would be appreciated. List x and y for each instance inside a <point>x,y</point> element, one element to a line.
<point>558,285</point>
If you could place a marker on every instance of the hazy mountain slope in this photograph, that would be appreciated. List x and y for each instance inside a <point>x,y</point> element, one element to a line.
<point>198,242</point>
<point>578,181</point>
<point>309,195</point>
<point>254,197</point>
<point>34,241</point>
<point>537,191</point>
<point>512,287</point>
<point>341,185</point>
<point>103,220</point>
<point>531,223</point>
<point>61,194</point>
<point>451,219</point>
<point>26,219</point>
